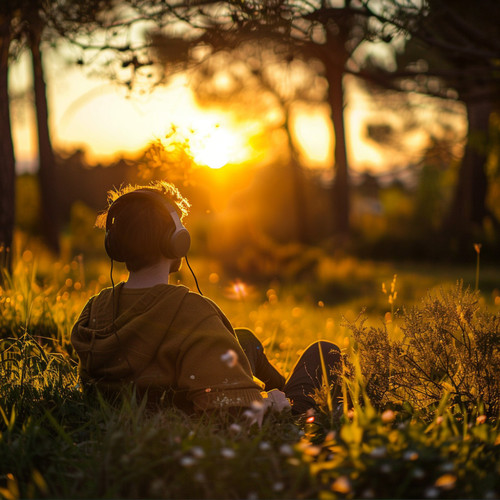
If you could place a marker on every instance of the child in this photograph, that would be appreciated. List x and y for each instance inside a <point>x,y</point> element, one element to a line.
<point>174,346</point>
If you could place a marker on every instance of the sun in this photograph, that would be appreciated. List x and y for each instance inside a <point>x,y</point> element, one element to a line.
<point>213,145</point>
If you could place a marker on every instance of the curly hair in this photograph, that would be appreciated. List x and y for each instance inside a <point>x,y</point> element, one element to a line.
<point>138,225</point>
<point>165,188</point>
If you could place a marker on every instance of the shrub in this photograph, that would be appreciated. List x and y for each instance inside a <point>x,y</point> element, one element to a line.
<point>450,346</point>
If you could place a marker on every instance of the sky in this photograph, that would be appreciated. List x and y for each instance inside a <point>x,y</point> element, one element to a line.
<point>100,117</point>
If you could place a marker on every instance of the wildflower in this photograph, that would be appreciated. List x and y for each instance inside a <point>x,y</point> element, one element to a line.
<point>410,455</point>
<point>312,450</point>
<point>187,461</point>
<point>388,416</point>
<point>481,419</point>
<point>278,486</point>
<point>228,453</point>
<point>330,437</point>
<point>431,492</point>
<point>342,485</point>
<point>378,452</point>
<point>264,446</point>
<point>446,481</point>
<point>230,358</point>
<point>447,467</point>
<point>198,452</point>
<point>235,429</point>
<point>439,420</point>
<point>286,450</point>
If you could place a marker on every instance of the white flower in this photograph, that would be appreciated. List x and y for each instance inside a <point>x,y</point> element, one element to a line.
<point>378,452</point>
<point>187,461</point>
<point>230,358</point>
<point>447,467</point>
<point>278,486</point>
<point>264,446</point>
<point>286,449</point>
<point>228,453</point>
<point>235,429</point>
<point>431,493</point>
<point>197,451</point>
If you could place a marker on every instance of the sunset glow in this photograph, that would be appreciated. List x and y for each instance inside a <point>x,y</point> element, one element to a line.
<point>216,145</point>
<point>106,122</point>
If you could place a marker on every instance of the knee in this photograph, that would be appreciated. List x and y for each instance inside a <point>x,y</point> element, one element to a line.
<point>247,339</point>
<point>325,349</point>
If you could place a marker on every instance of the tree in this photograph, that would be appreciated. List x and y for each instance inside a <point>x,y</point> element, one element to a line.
<point>259,84</point>
<point>7,161</point>
<point>32,25</point>
<point>323,32</point>
<point>453,52</point>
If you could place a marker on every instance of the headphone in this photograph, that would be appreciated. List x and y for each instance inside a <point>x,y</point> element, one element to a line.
<point>172,245</point>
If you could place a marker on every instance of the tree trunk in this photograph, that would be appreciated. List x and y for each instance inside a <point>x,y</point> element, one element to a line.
<point>7,161</point>
<point>468,206</point>
<point>47,175</point>
<point>341,188</point>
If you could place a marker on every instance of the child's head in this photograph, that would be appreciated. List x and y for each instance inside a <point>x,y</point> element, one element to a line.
<point>139,224</point>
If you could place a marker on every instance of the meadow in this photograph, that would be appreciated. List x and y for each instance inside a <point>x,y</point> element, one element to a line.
<point>434,436</point>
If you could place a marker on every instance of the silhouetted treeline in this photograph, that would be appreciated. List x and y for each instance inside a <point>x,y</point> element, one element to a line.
<point>244,216</point>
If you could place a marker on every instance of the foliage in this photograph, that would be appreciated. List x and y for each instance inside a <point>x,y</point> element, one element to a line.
<point>449,347</point>
<point>59,442</point>
<point>381,455</point>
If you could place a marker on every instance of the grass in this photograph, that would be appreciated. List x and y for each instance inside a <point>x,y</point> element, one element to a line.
<point>59,442</point>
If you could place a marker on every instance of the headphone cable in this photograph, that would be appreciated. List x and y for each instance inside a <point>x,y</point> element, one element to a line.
<point>194,276</point>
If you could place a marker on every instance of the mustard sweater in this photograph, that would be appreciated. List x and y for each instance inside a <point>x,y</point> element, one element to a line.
<point>169,342</point>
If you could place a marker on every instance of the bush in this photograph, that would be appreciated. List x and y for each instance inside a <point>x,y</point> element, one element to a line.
<point>450,347</point>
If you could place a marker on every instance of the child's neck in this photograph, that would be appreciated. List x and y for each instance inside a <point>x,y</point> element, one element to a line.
<point>147,277</point>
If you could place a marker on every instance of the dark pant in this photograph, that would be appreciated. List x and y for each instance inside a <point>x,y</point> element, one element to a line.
<point>306,376</point>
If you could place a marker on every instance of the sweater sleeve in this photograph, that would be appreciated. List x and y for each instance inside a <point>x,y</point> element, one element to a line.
<point>213,370</point>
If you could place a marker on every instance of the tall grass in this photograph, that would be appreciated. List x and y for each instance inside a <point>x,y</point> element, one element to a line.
<point>58,441</point>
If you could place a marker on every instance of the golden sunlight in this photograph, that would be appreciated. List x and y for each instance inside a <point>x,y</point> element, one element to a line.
<point>216,145</point>
<point>314,136</point>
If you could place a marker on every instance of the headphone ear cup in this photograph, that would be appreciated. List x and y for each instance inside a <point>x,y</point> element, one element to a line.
<point>111,247</point>
<point>176,245</point>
